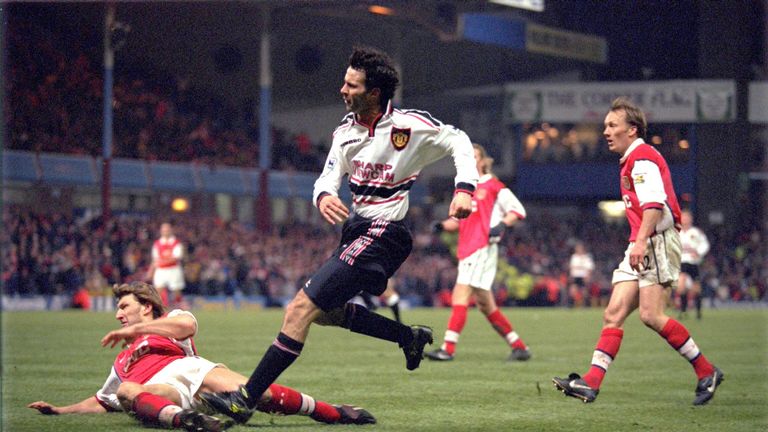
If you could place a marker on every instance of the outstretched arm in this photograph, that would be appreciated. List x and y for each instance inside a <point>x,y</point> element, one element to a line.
<point>86,406</point>
<point>179,327</point>
<point>449,225</point>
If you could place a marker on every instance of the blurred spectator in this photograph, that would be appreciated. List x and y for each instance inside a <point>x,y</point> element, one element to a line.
<point>580,269</point>
<point>53,253</point>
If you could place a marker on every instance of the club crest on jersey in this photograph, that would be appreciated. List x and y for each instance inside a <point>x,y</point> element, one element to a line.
<point>400,137</point>
<point>480,194</point>
<point>625,182</point>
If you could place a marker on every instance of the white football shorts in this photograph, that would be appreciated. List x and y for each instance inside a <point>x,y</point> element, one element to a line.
<point>662,262</point>
<point>186,375</point>
<point>171,278</point>
<point>479,269</point>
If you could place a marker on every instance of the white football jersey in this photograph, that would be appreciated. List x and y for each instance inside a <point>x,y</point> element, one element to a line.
<point>695,245</point>
<point>384,161</point>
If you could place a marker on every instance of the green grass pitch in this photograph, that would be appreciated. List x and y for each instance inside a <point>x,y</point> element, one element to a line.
<point>55,356</point>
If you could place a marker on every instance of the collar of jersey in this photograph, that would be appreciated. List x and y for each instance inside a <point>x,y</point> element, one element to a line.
<point>381,118</point>
<point>631,147</point>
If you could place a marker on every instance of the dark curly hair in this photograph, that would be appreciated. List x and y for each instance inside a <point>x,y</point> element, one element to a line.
<point>379,71</point>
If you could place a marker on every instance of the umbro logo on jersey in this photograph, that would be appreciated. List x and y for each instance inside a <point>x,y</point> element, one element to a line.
<point>352,141</point>
<point>400,137</point>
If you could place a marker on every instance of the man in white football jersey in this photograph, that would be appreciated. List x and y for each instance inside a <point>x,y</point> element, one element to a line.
<point>494,208</point>
<point>382,150</point>
<point>580,268</point>
<point>695,246</point>
<point>161,380</point>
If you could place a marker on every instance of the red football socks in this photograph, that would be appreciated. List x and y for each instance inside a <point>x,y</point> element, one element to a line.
<point>288,401</point>
<point>503,327</point>
<point>455,325</point>
<point>605,352</point>
<point>677,337</point>
<point>153,409</point>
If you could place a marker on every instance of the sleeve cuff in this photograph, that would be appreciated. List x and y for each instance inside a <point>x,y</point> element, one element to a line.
<point>464,187</point>
<point>319,198</point>
<point>654,206</point>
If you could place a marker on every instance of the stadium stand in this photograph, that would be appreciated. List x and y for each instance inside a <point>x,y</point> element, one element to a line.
<point>56,95</point>
<point>52,253</point>
<point>172,137</point>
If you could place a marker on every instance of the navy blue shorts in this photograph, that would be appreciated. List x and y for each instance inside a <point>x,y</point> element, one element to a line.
<point>369,253</point>
<point>691,270</point>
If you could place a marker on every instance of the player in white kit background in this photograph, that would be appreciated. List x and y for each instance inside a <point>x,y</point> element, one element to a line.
<point>695,247</point>
<point>580,268</point>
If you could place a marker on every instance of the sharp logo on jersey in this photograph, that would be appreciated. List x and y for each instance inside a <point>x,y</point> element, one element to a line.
<point>625,182</point>
<point>373,171</point>
<point>400,137</point>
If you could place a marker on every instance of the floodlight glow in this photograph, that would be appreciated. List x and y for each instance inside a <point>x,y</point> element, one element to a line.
<point>180,205</point>
<point>381,10</point>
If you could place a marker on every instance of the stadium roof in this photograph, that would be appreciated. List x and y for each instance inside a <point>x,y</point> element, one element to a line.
<point>216,44</point>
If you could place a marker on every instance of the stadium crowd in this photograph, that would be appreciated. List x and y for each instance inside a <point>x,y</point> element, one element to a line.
<point>52,253</point>
<point>55,87</point>
<point>54,84</point>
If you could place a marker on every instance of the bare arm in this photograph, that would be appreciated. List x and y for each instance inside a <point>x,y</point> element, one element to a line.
<point>150,272</point>
<point>86,406</point>
<point>178,327</point>
<point>651,218</point>
<point>450,224</point>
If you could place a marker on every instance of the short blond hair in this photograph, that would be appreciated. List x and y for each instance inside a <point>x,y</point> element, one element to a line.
<point>487,160</point>
<point>634,115</point>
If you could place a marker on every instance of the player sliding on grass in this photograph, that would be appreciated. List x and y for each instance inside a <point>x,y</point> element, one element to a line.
<point>160,378</point>
<point>651,262</point>
<point>382,150</point>
<point>494,209</point>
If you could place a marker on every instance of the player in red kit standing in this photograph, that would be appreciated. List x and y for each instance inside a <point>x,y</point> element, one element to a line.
<point>166,272</point>
<point>651,262</point>
<point>160,379</point>
<point>494,208</point>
